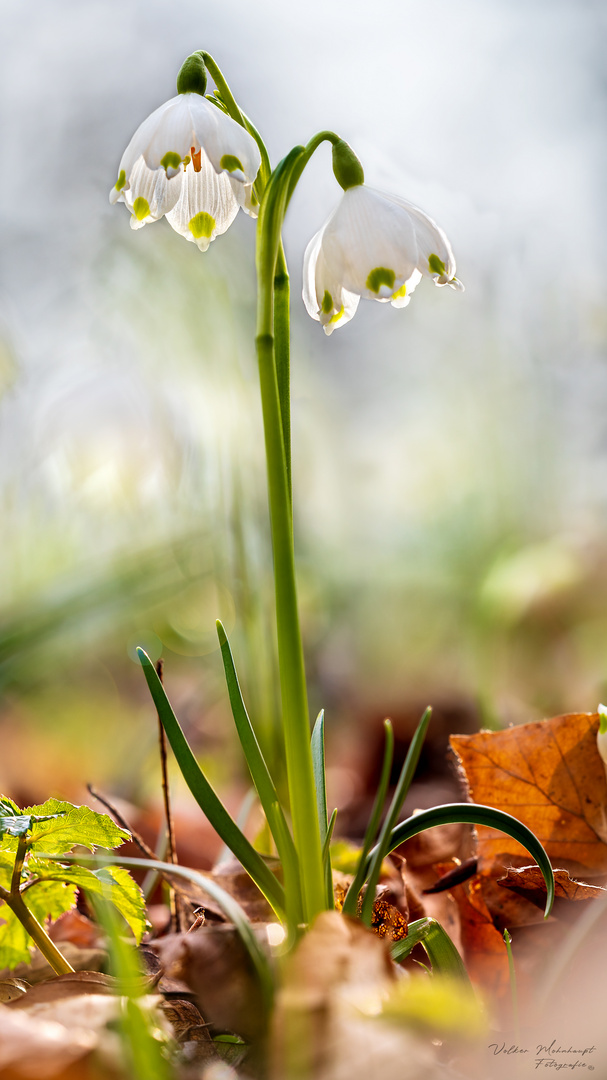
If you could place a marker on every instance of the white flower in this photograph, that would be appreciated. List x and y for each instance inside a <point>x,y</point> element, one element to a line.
<point>192,163</point>
<point>373,245</point>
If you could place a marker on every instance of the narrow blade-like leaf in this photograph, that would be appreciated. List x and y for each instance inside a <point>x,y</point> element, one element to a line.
<point>441,951</point>
<point>206,797</point>
<point>400,794</point>
<point>260,774</point>
<point>351,901</point>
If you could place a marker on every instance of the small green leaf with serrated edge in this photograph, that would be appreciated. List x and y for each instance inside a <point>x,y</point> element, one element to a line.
<point>111,882</point>
<point>16,823</point>
<point>79,825</point>
<point>48,899</point>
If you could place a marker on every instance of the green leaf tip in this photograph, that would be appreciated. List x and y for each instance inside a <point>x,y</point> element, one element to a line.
<point>221,634</point>
<point>143,656</point>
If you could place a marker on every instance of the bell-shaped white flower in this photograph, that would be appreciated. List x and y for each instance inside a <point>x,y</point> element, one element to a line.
<point>373,245</point>
<point>192,163</point>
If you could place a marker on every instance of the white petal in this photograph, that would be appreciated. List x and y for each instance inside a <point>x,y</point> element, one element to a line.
<point>141,139</point>
<point>370,244</point>
<point>431,240</point>
<point>152,189</point>
<point>244,197</point>
<point>207,205</point>
<point>324,297</point>
<point>227,145</point>
<point>173,133</point>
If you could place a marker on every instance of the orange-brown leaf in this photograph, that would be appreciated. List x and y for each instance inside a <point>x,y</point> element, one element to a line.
<point>529,882</point>
<point>550,776</point>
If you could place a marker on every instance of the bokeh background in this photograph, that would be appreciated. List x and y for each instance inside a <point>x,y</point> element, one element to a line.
<point>451,490</point>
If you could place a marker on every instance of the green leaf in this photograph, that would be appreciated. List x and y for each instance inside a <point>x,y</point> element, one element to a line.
<point>364,864</point>
<point>126,896</point>
<point>46,899</point>
<point>15,941</point>
<point>441,951</point>
<point>262,779</point>
<point>228,905</point>
<point>110,882</point>
<point>476,814</point>
<point>78,825</point>
<point>16,823</point>
<point>402,787</point>
<point>205,796</point>
<point>318,764</point>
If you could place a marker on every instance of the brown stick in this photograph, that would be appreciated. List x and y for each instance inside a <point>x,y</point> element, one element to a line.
<point>137,839</point>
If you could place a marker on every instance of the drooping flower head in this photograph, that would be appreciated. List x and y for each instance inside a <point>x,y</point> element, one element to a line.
<point>373,245</point>
<point>190,162</point>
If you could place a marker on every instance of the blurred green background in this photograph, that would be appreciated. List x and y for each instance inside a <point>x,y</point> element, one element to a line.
<point>449,459</point>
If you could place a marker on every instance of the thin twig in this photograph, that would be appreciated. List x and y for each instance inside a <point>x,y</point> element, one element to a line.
<point>137,839</point>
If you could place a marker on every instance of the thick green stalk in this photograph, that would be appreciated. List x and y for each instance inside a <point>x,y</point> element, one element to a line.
<point>290,652</point>
<point>37,932</point>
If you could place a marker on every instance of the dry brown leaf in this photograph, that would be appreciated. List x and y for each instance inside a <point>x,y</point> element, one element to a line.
<point>549,775</point>
<point>214,965</point>
<point>483,946</point>
<point>529,882</point>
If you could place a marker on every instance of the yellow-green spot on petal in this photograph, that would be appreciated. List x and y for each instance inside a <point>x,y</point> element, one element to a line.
<point>121,181</point>
<point>171,160</point>
<point>400,292</point>
<point>602,711</point>
<point>380,276</point>
<point>141,208</point>
<point>327,303</point>
<point>231,163</point>
<point>201,224</point>
<point>436,265</point>
<point>338,315</point>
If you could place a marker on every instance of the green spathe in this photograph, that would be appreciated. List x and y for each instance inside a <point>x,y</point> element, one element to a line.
<point>346,166</point>
<point>192,78</point>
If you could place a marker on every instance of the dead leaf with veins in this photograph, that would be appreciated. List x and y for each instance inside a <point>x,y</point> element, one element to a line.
<point>549,775</point>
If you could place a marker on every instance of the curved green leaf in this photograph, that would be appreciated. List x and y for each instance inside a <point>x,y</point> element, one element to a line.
<point>231,909</point>
<point>474,814</point>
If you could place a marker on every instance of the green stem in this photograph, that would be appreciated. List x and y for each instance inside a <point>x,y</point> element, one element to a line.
<point>37,932</point>
<point>282,348</point>
<point>273,358</point>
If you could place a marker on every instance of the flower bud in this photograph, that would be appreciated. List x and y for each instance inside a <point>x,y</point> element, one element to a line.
<point>192,78</point>
<point>346,166</point>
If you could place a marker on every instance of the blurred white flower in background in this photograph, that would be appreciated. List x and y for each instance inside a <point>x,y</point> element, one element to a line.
<point>373,245</point>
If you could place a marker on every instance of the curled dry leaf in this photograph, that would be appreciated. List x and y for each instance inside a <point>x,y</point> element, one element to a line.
<point>549,775</point>
<point>528,882</point>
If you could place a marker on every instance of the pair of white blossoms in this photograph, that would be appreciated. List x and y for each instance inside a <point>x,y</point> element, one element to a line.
<point>194,165</point>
